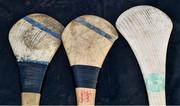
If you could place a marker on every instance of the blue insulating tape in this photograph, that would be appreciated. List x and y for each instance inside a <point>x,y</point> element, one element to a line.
<point>85,76</point>
<point>95,29</point>
<point>31,76</point>
<point>42,27</point>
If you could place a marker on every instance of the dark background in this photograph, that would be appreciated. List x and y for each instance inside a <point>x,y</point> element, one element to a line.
<point>120,80</point>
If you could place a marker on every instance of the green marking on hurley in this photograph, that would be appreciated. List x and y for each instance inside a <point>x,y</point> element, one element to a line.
<point>155,82</point>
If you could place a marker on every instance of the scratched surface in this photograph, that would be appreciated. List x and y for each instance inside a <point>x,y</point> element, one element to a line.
<point>120,80</point>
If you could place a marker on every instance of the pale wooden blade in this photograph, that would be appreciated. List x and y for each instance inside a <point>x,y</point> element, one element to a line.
<point>147,30</point>
<point>34,40</point>
<point>32,43</point>
<point>87,40</point>
<point>85,46</point>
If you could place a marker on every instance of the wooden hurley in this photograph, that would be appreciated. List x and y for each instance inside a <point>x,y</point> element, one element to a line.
<point>34,40</point>
<point>147,30</point>
<point>87,40</point>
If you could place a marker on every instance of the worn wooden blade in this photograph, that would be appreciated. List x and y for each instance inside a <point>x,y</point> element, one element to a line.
<point>85,44</point>
<point>34,40</point>
<point>147,30</point>
<point>87,40</point>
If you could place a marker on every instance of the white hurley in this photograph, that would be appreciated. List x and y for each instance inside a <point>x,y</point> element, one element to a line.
<point>34,40</point>
<point>147,30</point>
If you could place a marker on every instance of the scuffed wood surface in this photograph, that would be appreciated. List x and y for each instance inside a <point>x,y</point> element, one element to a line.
<point>83,45</point>
<point>30,43</point>
<point>147,30</point>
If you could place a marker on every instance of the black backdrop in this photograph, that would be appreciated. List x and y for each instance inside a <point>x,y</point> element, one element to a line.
<point>120,80</point>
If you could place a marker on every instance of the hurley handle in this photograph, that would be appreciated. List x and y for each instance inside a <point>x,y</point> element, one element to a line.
<point>31,77</point>
<point>30,99</point>
<point>85,81</point>
<point>85,96</point>
<point>157,99</point>
<point>155,85</point>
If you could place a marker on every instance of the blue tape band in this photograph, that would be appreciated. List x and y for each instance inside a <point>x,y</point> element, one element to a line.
<point>42,27</point>
<point>96,29</point>
<point>31,76</point>
<point>85,76</point>
<point>34,61</point>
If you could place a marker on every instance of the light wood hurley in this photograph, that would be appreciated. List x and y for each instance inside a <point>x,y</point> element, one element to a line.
<point>147,30</point>
<point>87,40</point>
<point>34,40</point>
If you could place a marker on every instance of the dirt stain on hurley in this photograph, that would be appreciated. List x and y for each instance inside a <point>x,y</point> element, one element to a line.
<point>34,39</point>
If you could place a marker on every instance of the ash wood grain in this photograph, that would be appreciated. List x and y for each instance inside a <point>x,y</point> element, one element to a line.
<point>147,30</point>
<point>33,39</point>
<point>87,43</point>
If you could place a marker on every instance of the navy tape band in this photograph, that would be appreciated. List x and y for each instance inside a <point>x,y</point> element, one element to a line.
<point>96,29</point>
<point>42,27</point>
<point>31,76</point>
<point>85,76</point>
